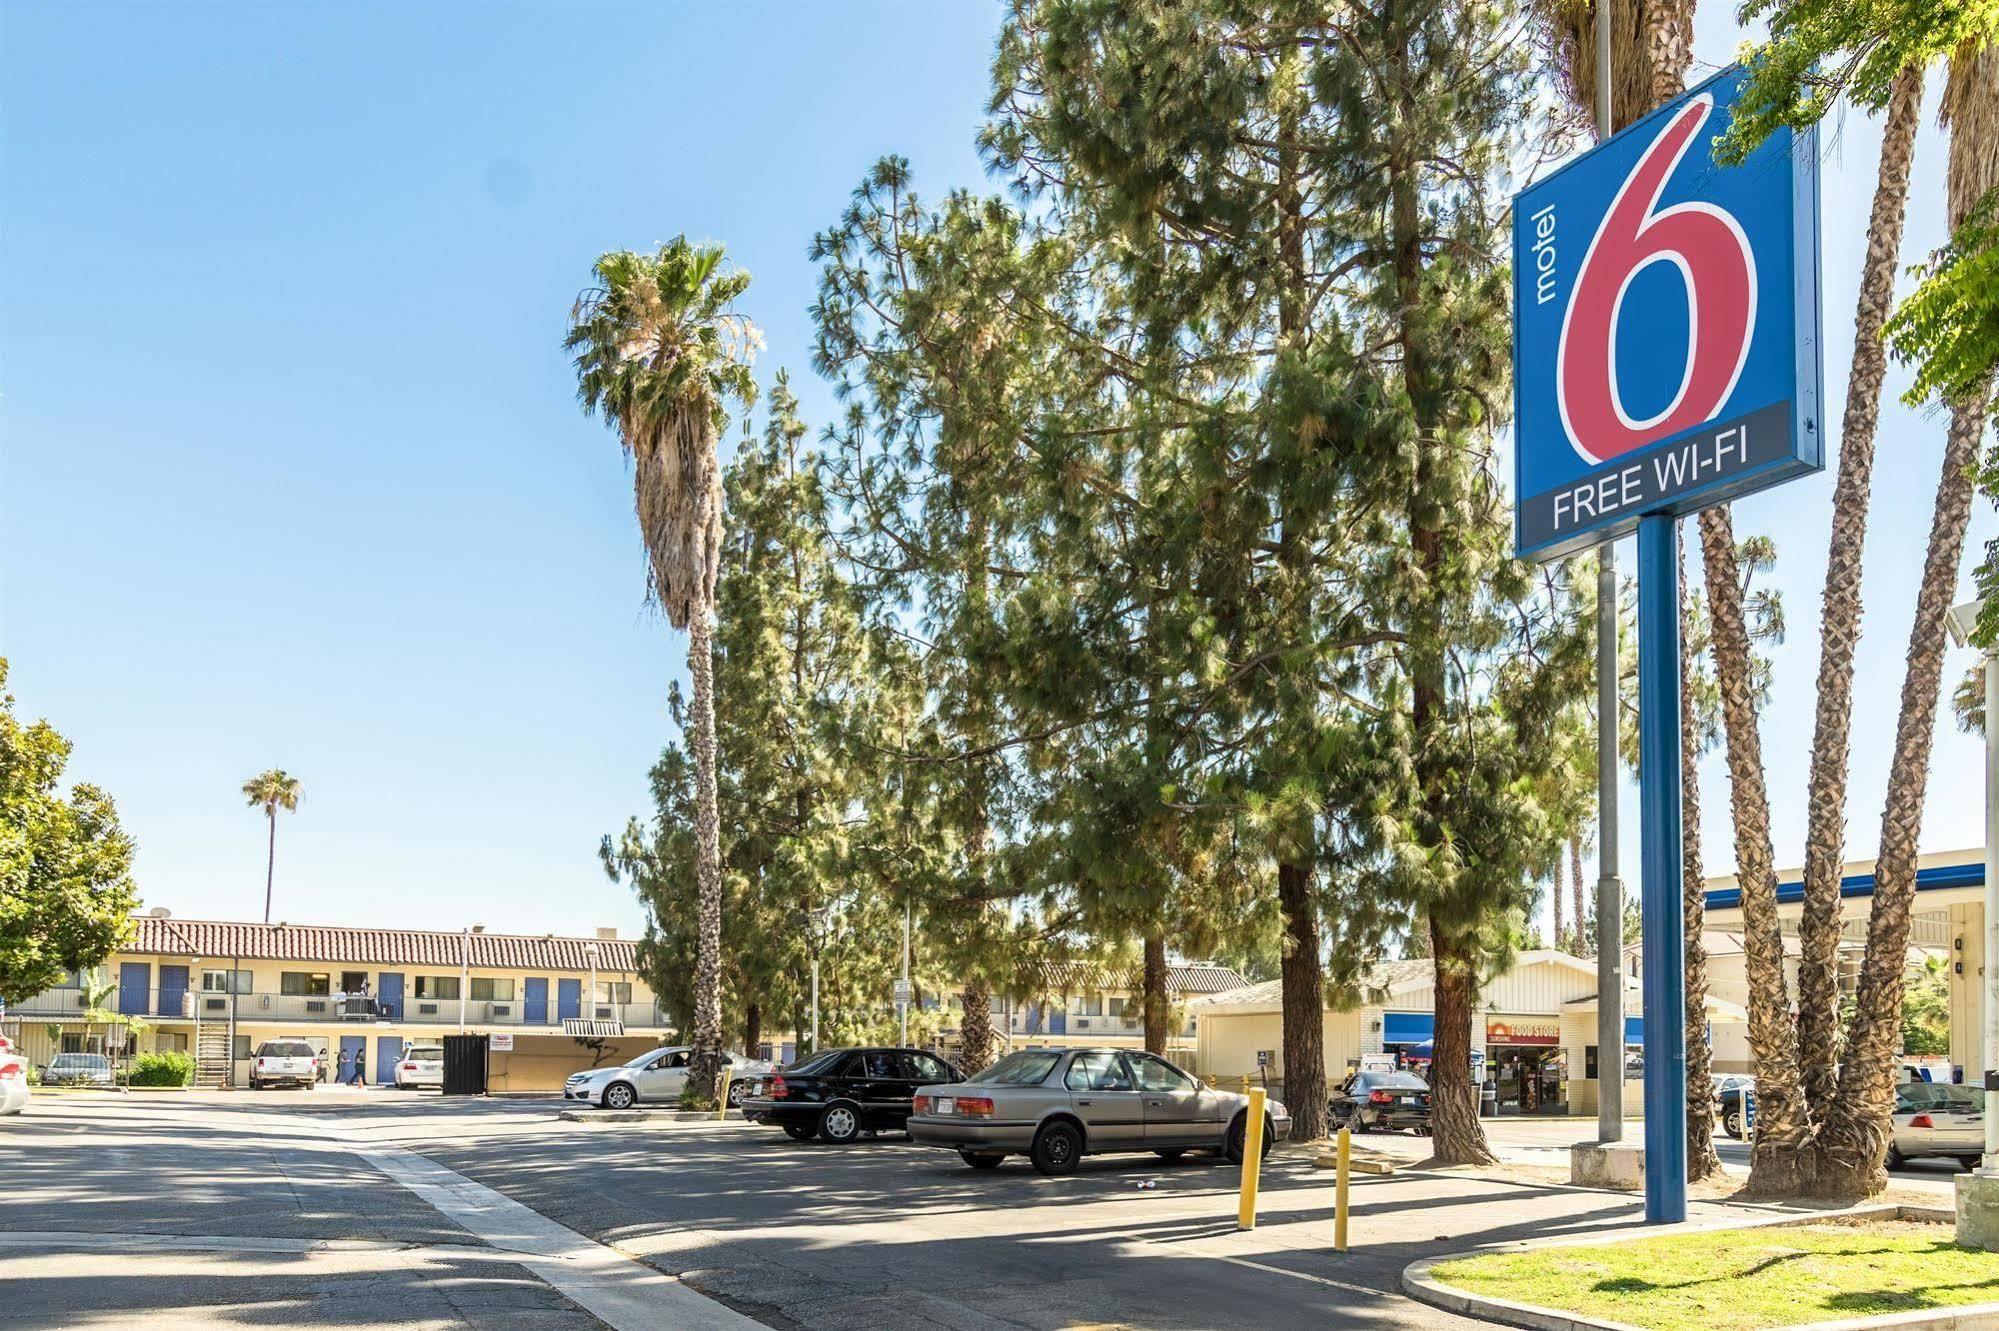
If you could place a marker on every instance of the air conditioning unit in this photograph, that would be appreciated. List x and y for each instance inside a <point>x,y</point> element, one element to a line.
<point>502,1009</point>
<point>427,1009</point>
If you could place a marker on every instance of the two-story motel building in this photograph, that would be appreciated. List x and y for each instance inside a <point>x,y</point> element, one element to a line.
<point>218,988</point>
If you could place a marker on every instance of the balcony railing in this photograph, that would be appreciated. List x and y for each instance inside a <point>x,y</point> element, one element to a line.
<point>67,1004</point>
<point>187,1004</point>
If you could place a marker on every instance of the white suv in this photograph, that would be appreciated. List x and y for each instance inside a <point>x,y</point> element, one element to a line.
<point>284,1062</point>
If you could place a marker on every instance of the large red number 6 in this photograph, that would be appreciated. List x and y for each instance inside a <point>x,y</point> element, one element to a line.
<point>1708,247</point>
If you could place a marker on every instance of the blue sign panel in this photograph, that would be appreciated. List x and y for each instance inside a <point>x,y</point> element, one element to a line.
<point>1407,1027</point>
<point>1665,326</point>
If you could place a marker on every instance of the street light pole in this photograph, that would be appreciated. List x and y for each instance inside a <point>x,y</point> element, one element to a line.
<point>1990,979</point>
<point>1609,888</point>
<point>464,978</point>
<point>590,951</point>
<point>1962,622</point>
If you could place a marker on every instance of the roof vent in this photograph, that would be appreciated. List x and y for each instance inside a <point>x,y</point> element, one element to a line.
<point>607,932</point>
<point>160,913</point>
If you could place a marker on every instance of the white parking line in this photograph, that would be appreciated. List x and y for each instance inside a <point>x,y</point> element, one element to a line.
<point>620,1291</point>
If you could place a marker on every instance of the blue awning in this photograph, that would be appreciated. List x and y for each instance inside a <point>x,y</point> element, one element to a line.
<point>1407,1027</point>
<point>1933,879</point>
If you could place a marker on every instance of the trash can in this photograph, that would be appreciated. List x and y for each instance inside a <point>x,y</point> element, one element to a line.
<point>1488,1102</point>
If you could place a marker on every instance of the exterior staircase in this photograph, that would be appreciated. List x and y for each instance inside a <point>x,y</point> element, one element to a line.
<point>211,1055</point>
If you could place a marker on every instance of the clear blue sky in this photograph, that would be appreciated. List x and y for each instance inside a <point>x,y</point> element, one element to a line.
<point>293,473</point>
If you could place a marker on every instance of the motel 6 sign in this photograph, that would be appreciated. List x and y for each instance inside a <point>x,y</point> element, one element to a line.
<point>1666,326</point>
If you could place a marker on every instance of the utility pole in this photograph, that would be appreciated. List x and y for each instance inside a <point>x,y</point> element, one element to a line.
<point>1609,888</point>
<point>590,951</point>
<point>465,973</point>
<point>902,993</point>
<point>1963,622</point>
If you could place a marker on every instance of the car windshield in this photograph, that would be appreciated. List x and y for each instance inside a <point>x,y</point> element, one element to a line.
<point>1028,1067</point>
<point>1390,1081</point>
<point>284,1049</point>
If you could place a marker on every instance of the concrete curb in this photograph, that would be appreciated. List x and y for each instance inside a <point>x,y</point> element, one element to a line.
<point>646,1116</point>
<point>1419,1284</point>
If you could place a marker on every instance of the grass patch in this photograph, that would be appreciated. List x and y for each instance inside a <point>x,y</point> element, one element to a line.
<point>1742,1279</point>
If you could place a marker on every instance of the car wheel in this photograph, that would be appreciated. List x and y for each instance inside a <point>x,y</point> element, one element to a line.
<point>1970,1162</point>
<point>1170,1152</point>
<point>978,1160</point>
<point>1731,1123</point>
<point>736,1095</point>
<point>1237,1129</point>
<point>1421,1129</point>
<point>619,1095</point>
<point>1057,1149</point>
<point>256,1085</point>
<point>840,1124</point>
<point>799,1132</point>
<point>1895,1158</point>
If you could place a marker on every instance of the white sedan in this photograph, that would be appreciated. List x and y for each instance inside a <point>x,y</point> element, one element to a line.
<point>421,1065</point>
<point>657,1075</point>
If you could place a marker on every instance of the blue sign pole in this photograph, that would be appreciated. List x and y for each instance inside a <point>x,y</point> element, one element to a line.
<point>1660,860</point>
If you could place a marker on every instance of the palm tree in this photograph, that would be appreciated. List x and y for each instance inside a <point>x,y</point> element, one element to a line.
<point>270,791</point>
<point>1839,626</point>
<point>659,354</point>
<point>1854,1138</point>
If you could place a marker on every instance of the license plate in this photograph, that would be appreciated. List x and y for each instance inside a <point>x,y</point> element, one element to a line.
<point>947,1105</point>
<point>756,1088</point>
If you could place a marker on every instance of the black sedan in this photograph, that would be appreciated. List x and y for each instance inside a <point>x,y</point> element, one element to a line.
<point>1383,1100</point>
<point>841,1093</point>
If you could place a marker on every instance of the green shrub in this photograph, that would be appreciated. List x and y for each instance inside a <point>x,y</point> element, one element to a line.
<point>691,1098</point>
<point>169,1068</point>
<point>34,1075</point>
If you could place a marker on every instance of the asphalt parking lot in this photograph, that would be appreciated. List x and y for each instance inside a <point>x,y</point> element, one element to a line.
<point>323,1209</point>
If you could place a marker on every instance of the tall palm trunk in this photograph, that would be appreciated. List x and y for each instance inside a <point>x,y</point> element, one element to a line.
<point>1304,990</point>
<point>1782,1126</point>
<point>1155,985</point>
<point>1560,884</point>
<point>1702,1162</point>
<point>1855,1136</point>
<point>1839,626</point>
<point>1585,947</point>
<point>270,859</point>
<point>975,1029</point>
<point>705,1062</point>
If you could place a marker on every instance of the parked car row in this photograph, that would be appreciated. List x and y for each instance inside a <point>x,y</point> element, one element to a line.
<point>1053,1106</point>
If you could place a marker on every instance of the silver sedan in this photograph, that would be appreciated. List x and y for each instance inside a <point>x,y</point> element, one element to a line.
<point>1056,1106</point>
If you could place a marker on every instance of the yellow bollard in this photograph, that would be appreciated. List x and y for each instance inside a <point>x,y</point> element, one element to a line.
<point>722,1110</point>
<point>1340,1190</point>
<point>1245,1083</point>
<point>1252,1160</point>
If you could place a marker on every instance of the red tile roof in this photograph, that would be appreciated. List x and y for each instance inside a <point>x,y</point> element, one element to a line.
<point>1182,978</point>
<point>223,939</point>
